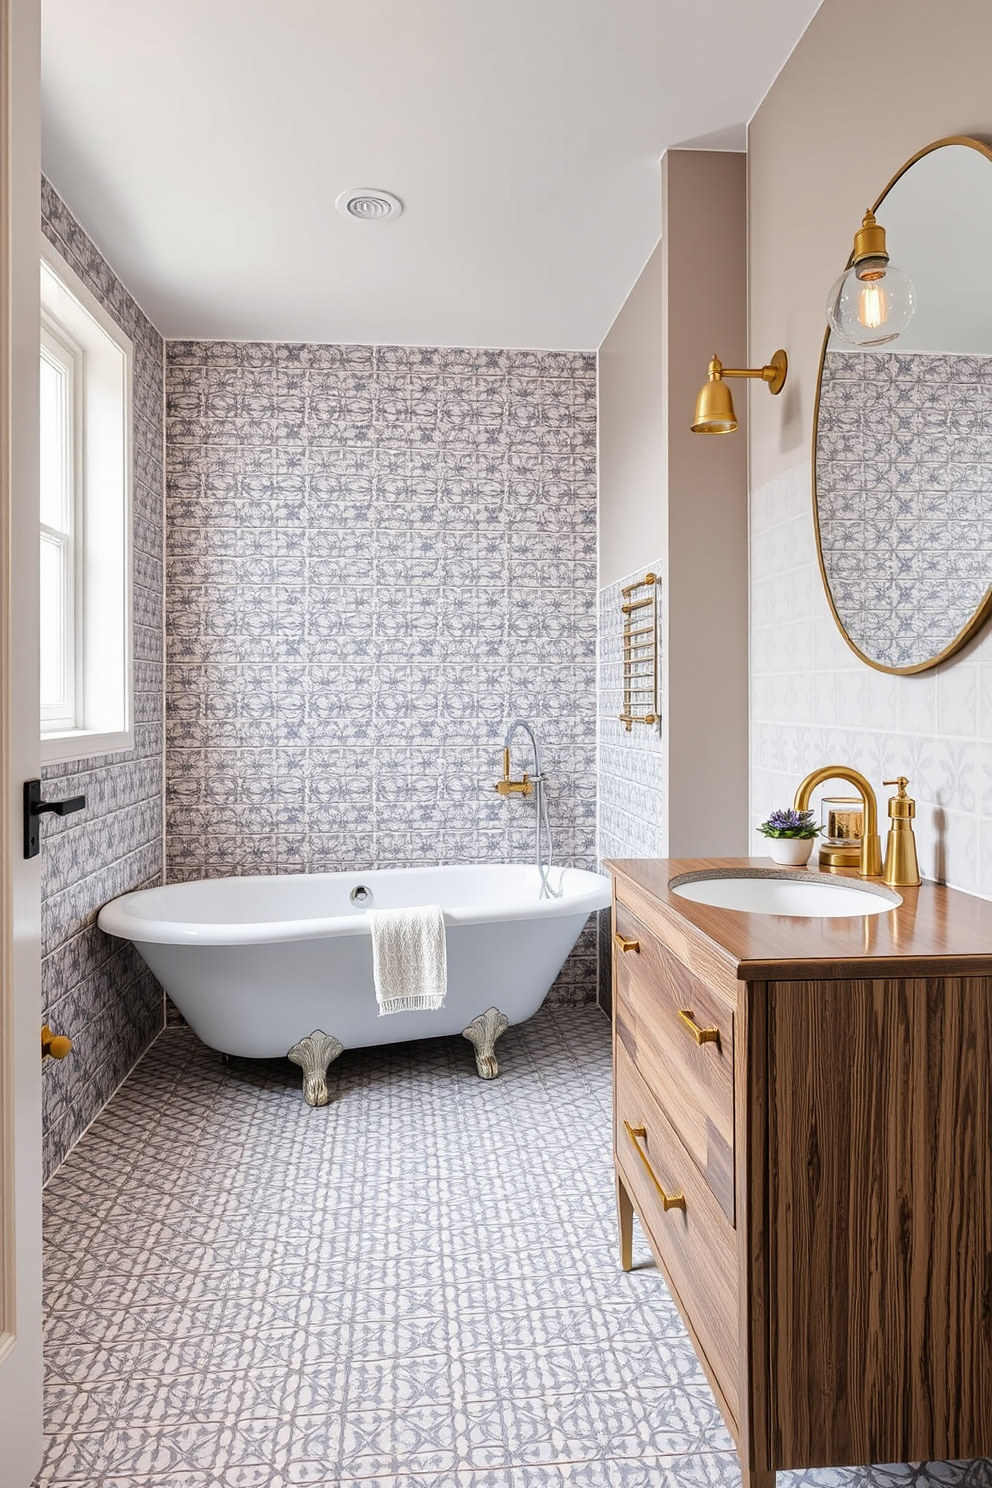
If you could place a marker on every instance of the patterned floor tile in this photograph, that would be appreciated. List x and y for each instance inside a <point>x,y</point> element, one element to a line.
<point>414,1287</point>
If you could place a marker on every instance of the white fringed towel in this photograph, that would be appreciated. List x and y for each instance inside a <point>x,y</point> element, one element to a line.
<point>409,958</point>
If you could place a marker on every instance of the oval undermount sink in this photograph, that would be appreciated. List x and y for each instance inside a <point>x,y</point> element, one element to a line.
<point>765,891</point>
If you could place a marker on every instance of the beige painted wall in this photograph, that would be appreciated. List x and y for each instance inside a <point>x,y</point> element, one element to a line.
<point>705,709</point>
<point>859,95</point>
<point>669,495</point>
<point>633,479</point>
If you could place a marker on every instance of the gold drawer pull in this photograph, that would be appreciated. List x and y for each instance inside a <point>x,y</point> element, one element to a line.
<point>701,1035</point>
<point>625,943</point>
<point>636,1135</point>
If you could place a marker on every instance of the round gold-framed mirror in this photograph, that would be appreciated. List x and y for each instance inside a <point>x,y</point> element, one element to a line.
<point>902,427</point>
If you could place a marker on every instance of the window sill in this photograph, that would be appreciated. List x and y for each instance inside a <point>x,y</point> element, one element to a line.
<point>81,744</point>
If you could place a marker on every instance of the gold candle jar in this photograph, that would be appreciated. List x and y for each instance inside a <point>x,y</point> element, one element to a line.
<point>843,822</point>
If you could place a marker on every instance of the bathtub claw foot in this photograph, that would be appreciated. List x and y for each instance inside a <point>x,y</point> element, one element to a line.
<point>482,1033</point>
<point>313,1054</point>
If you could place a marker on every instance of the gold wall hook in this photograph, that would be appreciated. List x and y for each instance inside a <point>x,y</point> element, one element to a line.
<point>54,1045</point>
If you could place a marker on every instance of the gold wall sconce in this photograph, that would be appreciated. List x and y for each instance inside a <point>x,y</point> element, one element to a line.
<point>715,407</point>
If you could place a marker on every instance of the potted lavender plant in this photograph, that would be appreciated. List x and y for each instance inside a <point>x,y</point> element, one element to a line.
<point>790,836</point>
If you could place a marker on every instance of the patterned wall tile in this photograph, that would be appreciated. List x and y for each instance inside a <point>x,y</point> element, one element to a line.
<point>93,988</point>
<point>631,777</point>
<point>813,701</point>
<point>377,557</point>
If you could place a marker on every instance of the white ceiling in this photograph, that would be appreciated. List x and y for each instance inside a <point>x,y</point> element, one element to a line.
<point>202,144</point>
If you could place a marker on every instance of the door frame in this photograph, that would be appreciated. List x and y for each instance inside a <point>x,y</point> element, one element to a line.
<point>20,883</point>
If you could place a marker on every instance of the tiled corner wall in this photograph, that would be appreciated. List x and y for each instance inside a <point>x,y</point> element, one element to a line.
<point>377,557</point>
<point>813,701</point>
<point>96,989</point>
<point>631,807</point>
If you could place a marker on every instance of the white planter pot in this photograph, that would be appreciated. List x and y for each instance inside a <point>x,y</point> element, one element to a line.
<point>792,852</point>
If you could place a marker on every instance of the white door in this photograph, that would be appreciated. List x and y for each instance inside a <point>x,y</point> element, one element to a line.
<point>20,887</point>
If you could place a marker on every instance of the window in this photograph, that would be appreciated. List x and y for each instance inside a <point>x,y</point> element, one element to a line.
<point>59,483</point>
<point>85,512</point>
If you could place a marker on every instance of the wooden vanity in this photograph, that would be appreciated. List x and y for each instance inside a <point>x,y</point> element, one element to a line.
<point>803,1125</point>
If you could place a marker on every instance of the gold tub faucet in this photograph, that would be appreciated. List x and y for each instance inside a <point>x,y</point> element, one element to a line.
<point>870,865</point>
<point>508,787</point>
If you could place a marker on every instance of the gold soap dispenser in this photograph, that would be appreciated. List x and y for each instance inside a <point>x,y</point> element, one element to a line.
<point>901,870</point>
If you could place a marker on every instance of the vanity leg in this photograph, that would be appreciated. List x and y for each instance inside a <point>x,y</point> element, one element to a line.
<point>625,1221</point>
<point>757,1477</point>
<point>313,1054</point>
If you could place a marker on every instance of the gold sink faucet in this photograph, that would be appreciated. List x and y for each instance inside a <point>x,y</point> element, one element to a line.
<point>870,865</point>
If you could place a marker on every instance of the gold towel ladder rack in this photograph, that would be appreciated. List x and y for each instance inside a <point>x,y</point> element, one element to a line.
<point>640,653</point>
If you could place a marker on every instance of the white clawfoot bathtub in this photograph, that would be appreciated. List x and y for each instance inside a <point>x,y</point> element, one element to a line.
<point>257,964</point>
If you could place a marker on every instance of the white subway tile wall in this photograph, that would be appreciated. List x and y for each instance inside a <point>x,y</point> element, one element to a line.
<point>97,990</point>
<point>813,702</point>
<point>377,557</point>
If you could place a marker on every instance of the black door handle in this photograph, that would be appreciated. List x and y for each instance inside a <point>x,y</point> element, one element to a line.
<point>34,807</point>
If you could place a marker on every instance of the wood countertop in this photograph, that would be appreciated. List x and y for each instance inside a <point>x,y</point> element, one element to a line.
<point>936,931</point>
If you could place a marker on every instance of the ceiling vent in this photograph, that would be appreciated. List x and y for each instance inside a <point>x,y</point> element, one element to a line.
<point>368,205</point>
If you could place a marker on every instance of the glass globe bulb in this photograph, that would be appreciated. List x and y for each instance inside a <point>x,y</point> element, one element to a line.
<point>871,303</point>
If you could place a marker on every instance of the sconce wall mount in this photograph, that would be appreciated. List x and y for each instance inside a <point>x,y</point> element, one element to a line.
<point>715,407</point>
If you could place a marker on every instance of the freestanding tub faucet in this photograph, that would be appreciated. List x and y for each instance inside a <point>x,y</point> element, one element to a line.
<point>531,786</point>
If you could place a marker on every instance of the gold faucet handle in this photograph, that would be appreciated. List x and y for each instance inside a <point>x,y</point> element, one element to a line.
<point>506,787</point>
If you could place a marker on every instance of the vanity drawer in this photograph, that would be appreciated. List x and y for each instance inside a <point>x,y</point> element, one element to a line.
<point>693,1081</point>
<point>694,1244</point>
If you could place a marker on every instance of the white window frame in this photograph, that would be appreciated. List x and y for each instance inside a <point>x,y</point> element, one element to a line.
<point>56,347</point>
<point>103,644</point>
